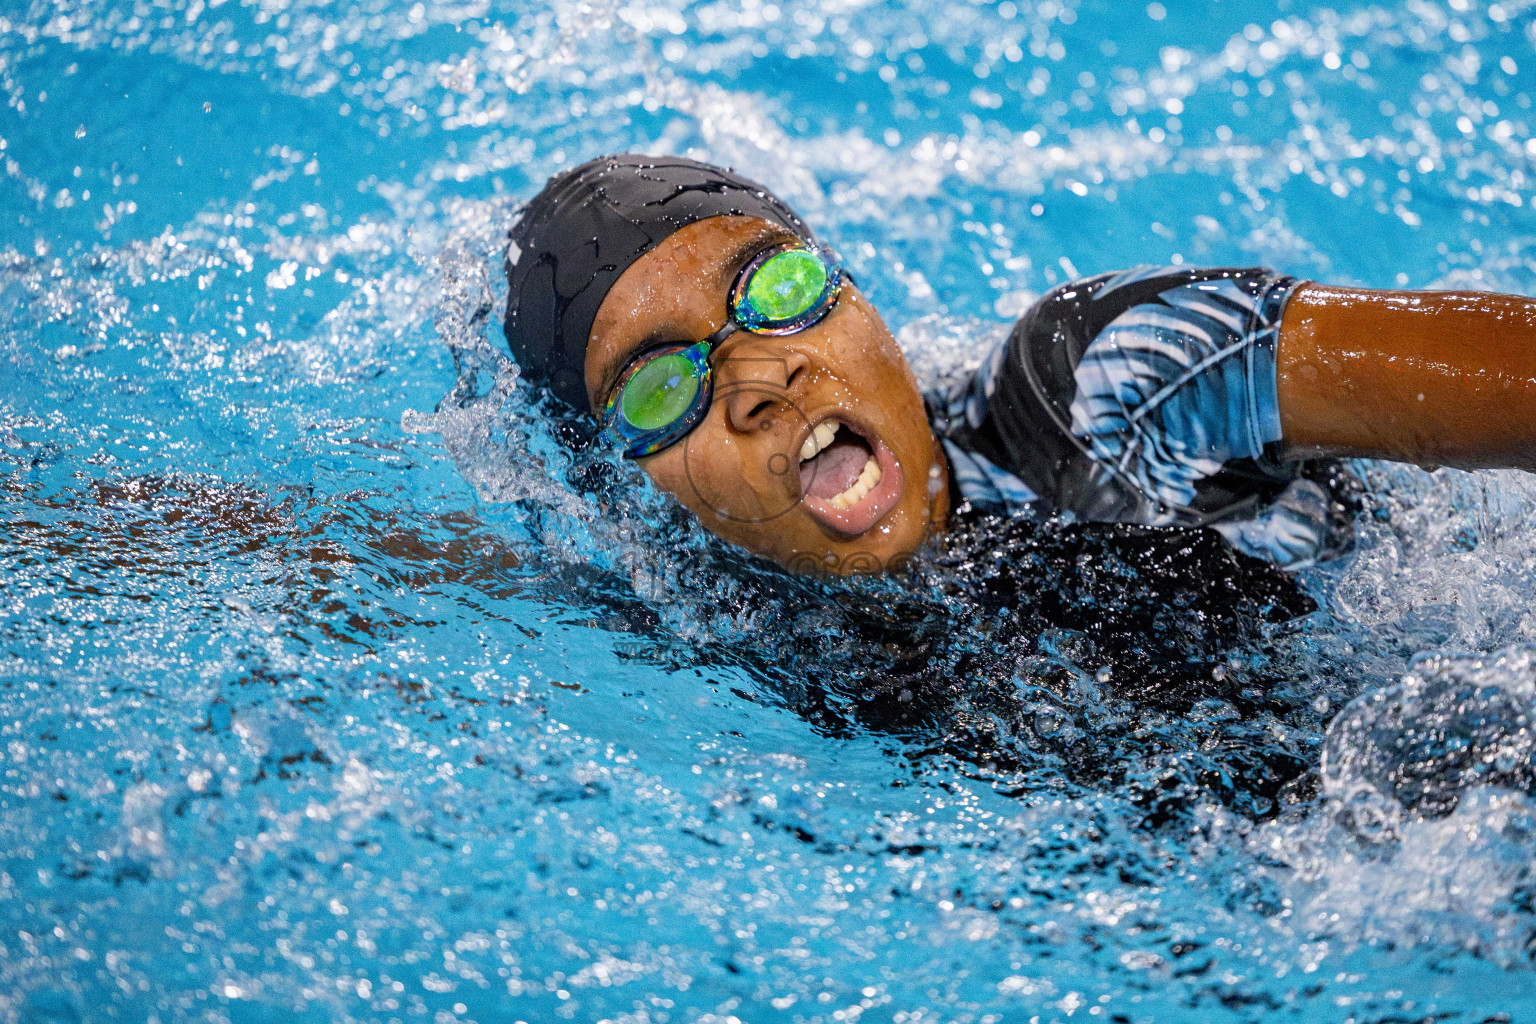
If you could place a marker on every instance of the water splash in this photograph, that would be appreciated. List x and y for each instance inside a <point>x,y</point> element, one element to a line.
<point>335,685</point>
<point>1423,828</point>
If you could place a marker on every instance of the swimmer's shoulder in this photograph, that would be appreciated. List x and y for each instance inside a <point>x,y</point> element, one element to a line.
<point>1072,314</point>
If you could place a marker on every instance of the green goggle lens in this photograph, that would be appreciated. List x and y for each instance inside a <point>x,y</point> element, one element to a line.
<point>663,395</point>
<point>660,392</point>
<point>787,285</point>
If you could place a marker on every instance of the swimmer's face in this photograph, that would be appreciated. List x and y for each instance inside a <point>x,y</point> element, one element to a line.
<point>768,468</point>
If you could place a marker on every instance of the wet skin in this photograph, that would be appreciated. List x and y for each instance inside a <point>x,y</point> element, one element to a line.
<point>1437,378</point>
<point>739,469</point>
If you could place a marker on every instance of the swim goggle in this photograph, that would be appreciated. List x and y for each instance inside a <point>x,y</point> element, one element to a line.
<point>665,392</point>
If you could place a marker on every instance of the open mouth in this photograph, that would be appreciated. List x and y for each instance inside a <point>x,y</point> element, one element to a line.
<point>848,479</point>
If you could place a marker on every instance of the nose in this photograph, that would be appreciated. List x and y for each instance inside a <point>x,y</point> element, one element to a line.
<point>757,378</point>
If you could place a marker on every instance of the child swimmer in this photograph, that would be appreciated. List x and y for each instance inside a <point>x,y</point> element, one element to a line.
<point>697,319</point>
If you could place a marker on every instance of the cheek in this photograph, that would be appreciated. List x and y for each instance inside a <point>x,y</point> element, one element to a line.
<point>668,471</point>
<point>864,348</point>
<point>720,479</point>
<point>867,359</point>
<point>710,470</point>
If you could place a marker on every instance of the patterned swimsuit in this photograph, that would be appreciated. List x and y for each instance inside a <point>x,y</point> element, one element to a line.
<point>1146,396</point>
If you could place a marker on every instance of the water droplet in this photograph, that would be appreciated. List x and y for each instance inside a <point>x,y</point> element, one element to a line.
<point>80,132</point>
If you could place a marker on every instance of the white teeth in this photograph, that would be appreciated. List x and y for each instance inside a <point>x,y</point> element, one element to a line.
<point>871,474</point>
<point>819,439</point>
<point>868,478</point>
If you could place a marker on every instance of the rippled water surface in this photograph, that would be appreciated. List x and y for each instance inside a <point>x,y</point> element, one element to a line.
<point>333,688</point>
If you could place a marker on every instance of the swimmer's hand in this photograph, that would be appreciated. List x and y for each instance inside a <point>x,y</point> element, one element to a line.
<point>1434,378</point>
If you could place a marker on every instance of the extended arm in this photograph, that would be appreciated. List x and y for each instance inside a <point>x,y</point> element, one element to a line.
<point>1435,378</point>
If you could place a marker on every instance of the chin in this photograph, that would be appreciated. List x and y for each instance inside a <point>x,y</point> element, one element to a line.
<point>879,551</point>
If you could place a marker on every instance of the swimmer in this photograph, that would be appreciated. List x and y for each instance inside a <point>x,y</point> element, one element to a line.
<point>696,324</point>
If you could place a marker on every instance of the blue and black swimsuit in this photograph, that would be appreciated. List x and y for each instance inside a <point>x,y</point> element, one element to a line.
<point>1146,396</point>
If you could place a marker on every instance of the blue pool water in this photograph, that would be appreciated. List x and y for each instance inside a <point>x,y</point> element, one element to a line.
<point>333,689</point>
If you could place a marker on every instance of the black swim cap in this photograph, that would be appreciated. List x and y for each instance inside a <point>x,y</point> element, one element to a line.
<point>585,228</point>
